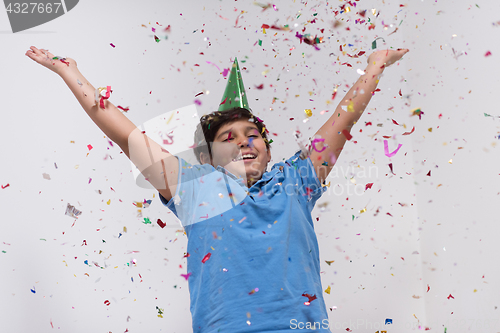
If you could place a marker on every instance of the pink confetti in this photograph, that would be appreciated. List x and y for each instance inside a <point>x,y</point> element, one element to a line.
<point>386,149</point>
<point>487,54</point>
<point>314,145</point>
<point>112,44</point>
<point>211,63</point>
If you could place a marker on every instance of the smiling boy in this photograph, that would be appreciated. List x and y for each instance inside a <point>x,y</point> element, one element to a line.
<point>253,257</point>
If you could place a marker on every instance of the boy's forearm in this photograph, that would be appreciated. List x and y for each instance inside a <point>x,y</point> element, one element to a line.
<point>358,97</point>
<point>110,120</point>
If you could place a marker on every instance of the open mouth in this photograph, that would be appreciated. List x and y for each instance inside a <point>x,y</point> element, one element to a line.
<point>245,157</point>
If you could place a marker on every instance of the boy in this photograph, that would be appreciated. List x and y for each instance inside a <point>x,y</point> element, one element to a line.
<point>253,260</point>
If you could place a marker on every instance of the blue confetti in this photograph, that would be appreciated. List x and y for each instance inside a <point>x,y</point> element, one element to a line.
<point>388,321</point>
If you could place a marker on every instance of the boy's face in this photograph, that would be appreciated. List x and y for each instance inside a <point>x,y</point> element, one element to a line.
<point>240,149</point>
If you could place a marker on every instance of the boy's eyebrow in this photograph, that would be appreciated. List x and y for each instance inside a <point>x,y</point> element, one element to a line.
<point>248,128</point>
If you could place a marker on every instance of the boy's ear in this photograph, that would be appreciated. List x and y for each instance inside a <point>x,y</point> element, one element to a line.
<point>204,158</point>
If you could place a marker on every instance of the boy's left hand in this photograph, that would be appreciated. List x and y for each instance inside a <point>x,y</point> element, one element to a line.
<point>386,58</point>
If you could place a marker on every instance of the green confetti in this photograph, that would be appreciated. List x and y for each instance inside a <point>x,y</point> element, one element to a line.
<point>477,5</point>
<point>260,42</point>
<point>4,251</point>
<point>146,220</point>
<point>270,141</point>
<point>43,239</point>
<point>353,217</point>
<point>157,39</point>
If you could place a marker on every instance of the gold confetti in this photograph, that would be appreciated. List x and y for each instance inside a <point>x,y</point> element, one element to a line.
<point>327,290</point>
<point>308,112</point>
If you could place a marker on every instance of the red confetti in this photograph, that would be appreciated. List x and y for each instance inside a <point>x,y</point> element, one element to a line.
<point>309,297</point>
<point>260,86</point>
<point>187,255</point>
<point>124,109</point>
<point>347,135</point>
<point>206,257</point>
<point>5,186</point>
<point>395,122</point>
<point>161,223</point>
<point>67,63</point>
<point>400,92</point>
<point>368,186</point>
<point>451,297</point>
<point>107,302</point>
<point>487,54</point>
<point>428,288</point>
<point>390,166</point>
<point>408,133</point>
<point>368,123</point>
<point>429,173</point>
<point>334,94</point>
<point>224,101</point>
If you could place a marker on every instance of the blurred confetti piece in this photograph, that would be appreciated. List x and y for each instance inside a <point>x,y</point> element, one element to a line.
<point>417,112</point>
<point>107,302</point>
<point>408,133</point>
<point>207,256</point>
<point>374,43</point>
<point>487,54</point>
<point>386,149</point>
<point>186,276</point>
<point>72,211</point>
<point>33,290</point>
<point>111,44</point>
<point>313,143</point>
<point>347,135</point>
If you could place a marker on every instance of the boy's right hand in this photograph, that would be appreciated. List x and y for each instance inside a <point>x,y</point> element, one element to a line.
<point>44,58</point>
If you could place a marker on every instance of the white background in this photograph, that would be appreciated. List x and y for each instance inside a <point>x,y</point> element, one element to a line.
<point>440,239</point>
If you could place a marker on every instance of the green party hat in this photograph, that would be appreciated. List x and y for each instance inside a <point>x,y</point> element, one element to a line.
<point>234,95</point>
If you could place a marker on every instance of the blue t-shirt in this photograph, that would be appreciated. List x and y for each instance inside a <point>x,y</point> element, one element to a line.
<point>253,254</point>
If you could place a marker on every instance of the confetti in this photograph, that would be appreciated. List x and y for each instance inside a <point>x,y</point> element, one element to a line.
<point>72,211</point>
<point>186,276</point>
<point>207,256</point>
<point>161,223</point>
<point>374,43</point>
<point>308,112</point>
<point>111,44</point>
<point>386,149</point>
<point>347,135</point>
<point>107,302</point>
<point>487,54</point>
<point>408,133</point>
<point>310,298</point>
<point>313,143</point>
<point>388,321</point>
<point>123,108</point>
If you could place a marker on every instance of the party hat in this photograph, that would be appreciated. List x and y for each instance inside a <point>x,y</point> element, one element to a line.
<point>234,95</point>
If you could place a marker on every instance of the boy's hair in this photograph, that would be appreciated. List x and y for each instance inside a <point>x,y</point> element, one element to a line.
<point>211,123</point>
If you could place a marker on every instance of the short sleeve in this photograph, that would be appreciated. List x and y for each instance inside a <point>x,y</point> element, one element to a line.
<point>309,185</point>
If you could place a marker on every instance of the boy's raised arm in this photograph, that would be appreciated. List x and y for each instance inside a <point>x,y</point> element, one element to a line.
<point>157,165</point>
<point>337,128</point>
